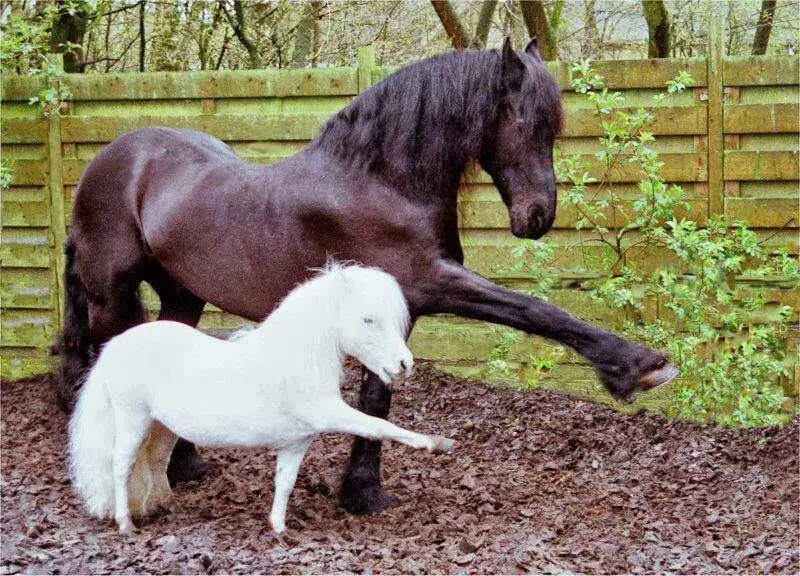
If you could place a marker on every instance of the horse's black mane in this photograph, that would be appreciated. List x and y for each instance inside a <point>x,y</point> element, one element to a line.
<point>419,126</point>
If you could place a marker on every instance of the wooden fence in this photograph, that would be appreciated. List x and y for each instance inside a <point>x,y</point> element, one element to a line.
<point>731,141</point>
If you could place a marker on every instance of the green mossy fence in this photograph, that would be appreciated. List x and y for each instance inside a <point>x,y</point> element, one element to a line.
<point>731,141</point>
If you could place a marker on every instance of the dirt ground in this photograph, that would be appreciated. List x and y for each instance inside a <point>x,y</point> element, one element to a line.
<point>539,482</point>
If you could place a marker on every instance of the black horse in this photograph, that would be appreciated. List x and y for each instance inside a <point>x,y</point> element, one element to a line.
<point>181,211</point>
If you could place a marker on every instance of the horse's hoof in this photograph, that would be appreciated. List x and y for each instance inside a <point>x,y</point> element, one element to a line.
<point>662,374</point>
<point>365,500</point>
<point>442,445</point>
<point>187,471</point>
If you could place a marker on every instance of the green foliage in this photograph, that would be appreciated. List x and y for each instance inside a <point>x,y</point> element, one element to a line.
<point>530,371</point>
<point>6,174</point>
<point>713,318</point>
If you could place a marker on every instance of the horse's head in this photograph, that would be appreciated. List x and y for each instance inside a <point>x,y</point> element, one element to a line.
<point>374,322</point>
<point>520,157</point>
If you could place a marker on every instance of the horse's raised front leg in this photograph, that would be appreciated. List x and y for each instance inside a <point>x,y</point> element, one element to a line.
<point>361,491</point>
<point>622,366</point>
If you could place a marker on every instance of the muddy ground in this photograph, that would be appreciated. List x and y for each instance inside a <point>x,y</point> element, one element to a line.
<point>539,482</point>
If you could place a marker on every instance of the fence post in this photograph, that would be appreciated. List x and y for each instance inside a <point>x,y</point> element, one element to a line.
<point>716,140</point>
<point>58,223</point>
<point>366,62</point>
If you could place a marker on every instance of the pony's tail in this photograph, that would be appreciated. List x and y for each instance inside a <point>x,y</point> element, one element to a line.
<point>91,447</point>
<point>73,345</point>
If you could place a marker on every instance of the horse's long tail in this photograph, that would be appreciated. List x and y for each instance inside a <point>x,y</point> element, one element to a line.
<point>91,447</point>
<point>74,344</point>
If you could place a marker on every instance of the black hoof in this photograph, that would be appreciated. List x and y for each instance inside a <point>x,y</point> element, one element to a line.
<point>185,464</point>
<point>364,500</point>
<point>661,374</point>
<point>187,471</point>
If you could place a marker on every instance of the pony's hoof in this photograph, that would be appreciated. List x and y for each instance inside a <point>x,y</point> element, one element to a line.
<point>126,526</point>
<point>442,445</point>
<point>364,500</point>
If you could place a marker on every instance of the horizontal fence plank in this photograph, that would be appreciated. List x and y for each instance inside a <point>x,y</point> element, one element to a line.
<point>228,128</point>
<point>23,131</point>
<point>27,172</point>
<point>761,118</point>
<point>760,70</point>
<point>204,84</point>
<point>764,212</point>
<point>27,288</point>
<point>24,328</point>
<point>668,120</point>
<point>24,362</point>
<point>770,165</point>
<point>25,214</point>
<point>26,247</point>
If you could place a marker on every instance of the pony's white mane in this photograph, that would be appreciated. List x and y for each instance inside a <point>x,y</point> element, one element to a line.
<point>303,330</point>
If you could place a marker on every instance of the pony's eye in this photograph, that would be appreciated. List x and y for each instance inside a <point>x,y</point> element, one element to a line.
<point>369,321</point>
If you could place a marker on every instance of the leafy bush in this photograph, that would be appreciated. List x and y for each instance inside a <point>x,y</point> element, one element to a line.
<point>728,341</point>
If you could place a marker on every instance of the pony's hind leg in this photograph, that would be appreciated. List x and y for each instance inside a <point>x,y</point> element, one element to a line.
<point>287,466</point>
<point>179,305</point>
<point>131,432</point>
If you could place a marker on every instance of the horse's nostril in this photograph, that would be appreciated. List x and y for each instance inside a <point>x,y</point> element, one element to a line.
<point>402,364</point>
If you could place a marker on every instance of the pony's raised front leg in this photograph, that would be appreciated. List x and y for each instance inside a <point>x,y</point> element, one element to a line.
<point>344,419</point>
<point>622,366</point>
<point>131,431</point>
<point>287,466</point>
<point>361,491</point>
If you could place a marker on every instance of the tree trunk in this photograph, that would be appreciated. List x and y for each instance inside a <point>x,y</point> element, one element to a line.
<point>655,13</point>
<point>458,35</point>
<point>68,31</point>
<point>484,23</point>
<point>538,24</point>
<point>305,35</point>
<point>589,45</point>
<point>764,27</point>
<point>237,22</point>
<point>142,38</point>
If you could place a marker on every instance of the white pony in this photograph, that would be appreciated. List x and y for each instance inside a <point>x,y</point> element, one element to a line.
<point>276,385</point>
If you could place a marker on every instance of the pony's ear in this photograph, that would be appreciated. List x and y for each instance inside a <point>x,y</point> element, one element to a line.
<point>513,68</point>
<point>533,48</point>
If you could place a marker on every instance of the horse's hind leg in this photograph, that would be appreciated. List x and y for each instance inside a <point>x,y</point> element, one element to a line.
<point>179,305</point>
<point>361,491</point>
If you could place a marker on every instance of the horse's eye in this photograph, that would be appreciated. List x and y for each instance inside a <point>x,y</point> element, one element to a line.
<point>369,321</point>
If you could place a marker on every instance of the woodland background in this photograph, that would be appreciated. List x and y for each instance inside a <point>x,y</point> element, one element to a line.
<point>175,35</point>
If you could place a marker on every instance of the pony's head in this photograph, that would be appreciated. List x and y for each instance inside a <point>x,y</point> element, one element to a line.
<point>520,156</point>
<point>373,320</point>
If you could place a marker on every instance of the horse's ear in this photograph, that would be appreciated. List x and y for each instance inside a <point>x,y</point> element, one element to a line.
<point>533,48</point>
<point>513,68</point>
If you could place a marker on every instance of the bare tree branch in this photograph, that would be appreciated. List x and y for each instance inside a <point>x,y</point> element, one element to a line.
<point>452,24</point>
<point>484,22</point>
<point>239,29</point>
